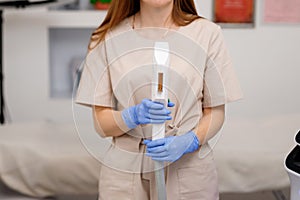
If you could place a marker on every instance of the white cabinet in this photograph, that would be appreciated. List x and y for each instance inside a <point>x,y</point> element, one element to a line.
<point>69,33</point>
<point>67,49</point>
<point>75,19</point>
<point>38,46</point>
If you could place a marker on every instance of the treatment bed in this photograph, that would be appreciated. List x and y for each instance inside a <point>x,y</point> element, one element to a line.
<point>44,159</point>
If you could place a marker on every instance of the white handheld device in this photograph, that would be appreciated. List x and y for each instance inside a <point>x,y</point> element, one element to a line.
<point>160,94</point>
<point>160,79</point>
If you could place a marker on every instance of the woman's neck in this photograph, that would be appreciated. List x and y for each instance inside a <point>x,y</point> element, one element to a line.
<point>155,16</point>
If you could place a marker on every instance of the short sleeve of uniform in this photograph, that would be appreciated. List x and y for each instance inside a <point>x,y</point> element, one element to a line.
<point>95,85</point>
<point>221,85</point>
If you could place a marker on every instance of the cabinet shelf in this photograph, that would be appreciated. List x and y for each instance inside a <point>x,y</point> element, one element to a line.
<point>59,18</point>
<point>57,39</point>
<point>69,32</point>
<point>67,49</point>
<point>76,19</point>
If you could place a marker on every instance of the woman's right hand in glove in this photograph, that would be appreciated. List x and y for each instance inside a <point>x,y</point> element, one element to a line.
<point>147,112</point>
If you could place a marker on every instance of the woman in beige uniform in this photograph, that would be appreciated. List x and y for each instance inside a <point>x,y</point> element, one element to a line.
<point>116,82</point>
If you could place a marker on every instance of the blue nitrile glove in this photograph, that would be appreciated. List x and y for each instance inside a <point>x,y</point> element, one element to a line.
<point>172,148</point>
<point>147,112</point>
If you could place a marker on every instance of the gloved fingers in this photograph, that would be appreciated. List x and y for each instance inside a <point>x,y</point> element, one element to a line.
<point>159,117</point>
<point>144,120</point>
<point>155,143</point>
<point>158,102</point>
<point>160,112</point>
<point>154,116</point>
<point>152,105</point>
<point>156,149</point>
<point>163,154</point>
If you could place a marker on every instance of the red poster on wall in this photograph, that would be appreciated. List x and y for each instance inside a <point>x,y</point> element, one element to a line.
<point>234,11</point>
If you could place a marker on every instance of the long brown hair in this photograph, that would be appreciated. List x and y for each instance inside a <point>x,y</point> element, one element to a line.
<point>184,12</point>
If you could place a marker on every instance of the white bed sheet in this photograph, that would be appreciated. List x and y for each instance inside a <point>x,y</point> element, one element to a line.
<point>250,154</point>
<point>45,158</point>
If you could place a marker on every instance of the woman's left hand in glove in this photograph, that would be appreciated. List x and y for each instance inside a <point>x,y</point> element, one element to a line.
<point>172,148</point>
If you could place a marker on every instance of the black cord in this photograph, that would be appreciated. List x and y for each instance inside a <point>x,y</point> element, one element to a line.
<point>24,3</point>
<point>2,105</point>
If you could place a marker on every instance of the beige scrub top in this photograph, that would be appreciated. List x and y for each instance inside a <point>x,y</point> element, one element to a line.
<point>118,74</point>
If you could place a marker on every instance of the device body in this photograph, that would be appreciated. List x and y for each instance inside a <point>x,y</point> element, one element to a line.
<point>160,94</point>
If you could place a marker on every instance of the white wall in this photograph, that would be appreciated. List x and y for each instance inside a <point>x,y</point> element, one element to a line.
<point>266,59</point>
<point>26,61</point>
